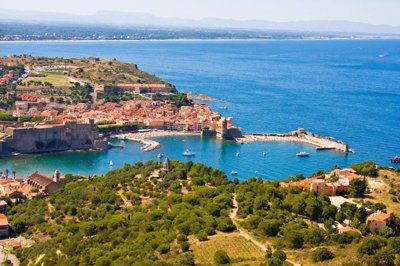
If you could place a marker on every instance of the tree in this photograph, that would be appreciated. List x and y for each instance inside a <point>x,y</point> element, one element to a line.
<point>277,258</point>
<point>383,257</point>
<point>321,254</point>
<point>300,177</point>
<point>386,232</point>
<point>370,245</point>
<point>221,258</point>
<point>269,227</point>
<point>357,188</point>
<point>366,168</point>
<point>313,208</point>
<point>294,239</point>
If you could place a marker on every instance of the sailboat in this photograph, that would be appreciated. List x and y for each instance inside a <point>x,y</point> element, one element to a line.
<point>237,154</point>
<point>264,154</point>
<point>111,163</point>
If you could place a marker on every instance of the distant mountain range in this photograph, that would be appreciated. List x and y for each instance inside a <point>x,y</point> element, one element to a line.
<point>142,19</point>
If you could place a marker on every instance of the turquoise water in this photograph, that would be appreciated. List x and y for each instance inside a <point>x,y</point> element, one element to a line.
<point>346,89</point>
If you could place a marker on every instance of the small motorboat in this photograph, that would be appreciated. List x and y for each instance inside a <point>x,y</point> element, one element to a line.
<point>234,172</point>
<point>111,163</point>
<point>237,154</point>
<point>303,154</point>
<point>160,155</point>
<point>264,154</point>
<point>188,153</point>
<point>395,159</point>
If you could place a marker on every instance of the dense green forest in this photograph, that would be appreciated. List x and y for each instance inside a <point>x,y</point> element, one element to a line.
<point>88,223</point>
<point>143,215</point>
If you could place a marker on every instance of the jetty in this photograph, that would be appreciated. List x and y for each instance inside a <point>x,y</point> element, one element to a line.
<point>300,136</point>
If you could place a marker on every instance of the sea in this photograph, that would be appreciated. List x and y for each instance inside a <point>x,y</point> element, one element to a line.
<point>347,89</point>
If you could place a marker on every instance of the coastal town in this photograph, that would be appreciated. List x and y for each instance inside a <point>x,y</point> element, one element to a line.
<point>54,104</point>
<point>45,117</point>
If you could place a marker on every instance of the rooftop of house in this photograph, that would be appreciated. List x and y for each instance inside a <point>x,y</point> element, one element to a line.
<point>3,203</point>
<point>380,216</point>
<point>3,220</point>
<point>348,229</point>
<point>40,179</point>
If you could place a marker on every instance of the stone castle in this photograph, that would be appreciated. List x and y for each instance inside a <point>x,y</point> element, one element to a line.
<point>31,138</point>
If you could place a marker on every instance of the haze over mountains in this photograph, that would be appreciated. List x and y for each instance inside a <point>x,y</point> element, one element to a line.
<point>143,19</point>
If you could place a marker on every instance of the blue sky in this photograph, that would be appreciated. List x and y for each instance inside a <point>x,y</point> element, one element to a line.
<point>370,11</point>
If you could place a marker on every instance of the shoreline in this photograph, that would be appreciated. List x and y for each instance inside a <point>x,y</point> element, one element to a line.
<point>146,138</point>
<point>210,40</point>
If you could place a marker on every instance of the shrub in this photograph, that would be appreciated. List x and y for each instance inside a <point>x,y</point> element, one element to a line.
<point>280,255</point>
<point>163,248</point>
<point>321,254</point>
<point>221,258</point>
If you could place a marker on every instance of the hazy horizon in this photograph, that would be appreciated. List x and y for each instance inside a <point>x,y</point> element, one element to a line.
<point>372,12</point>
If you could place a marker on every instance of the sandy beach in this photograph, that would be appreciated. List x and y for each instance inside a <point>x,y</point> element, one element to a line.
<point>146,137</point>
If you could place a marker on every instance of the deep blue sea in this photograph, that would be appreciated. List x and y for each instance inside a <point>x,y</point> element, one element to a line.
<point>348,89</point>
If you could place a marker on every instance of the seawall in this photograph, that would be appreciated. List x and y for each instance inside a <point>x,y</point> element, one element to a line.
<point>301,136</point>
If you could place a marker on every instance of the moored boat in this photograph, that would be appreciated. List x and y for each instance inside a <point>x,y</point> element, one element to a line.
<point>395,159</point>
<point>187,152</point>
<point>234,172</point>
<point>302,154</point>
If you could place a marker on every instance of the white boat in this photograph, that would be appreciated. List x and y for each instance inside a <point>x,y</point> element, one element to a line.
<point>264,154</point>
<point>188,153</point>
<point>234,172</point>
<point>237,154</point>
<point>111,163</point>
<point>160,155</point>
<point>302,154</point>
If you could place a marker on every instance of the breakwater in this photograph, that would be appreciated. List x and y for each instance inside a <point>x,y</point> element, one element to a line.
<point>322,142</point>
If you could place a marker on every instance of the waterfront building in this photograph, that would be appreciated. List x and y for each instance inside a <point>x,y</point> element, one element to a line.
<point>32,138</point>
<point>44,184</point>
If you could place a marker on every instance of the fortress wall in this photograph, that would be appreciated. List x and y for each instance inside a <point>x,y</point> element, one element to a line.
<point>62,137</point>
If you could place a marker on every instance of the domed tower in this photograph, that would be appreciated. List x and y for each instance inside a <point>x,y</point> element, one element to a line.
<point>56,176</point>
<point>166,165</point>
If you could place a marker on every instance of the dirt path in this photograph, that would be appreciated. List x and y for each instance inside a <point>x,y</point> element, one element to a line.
<point>127,203</point>
<point>245,234</point>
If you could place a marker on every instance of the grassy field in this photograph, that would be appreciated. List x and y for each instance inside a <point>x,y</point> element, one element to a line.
<point>347,253</point>
<point>57,79</point>
<point>390,181</point>
<point>241,251</point>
